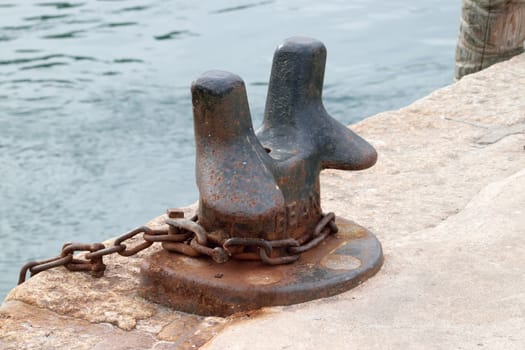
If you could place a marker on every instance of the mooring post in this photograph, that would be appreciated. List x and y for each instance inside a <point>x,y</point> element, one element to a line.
<point>260,217</point>
<point>260,236</point>
<point>490,31</point>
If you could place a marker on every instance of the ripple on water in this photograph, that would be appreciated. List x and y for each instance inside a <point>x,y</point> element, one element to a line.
<point>131,9</point>
<point>60,5</point>
<point>67,35</point>
<point>118,24</point>
<point>43,18</point>
<point>127,60</point>
<point>44,65</point>
<point>242,7</point>
<point>175,34</point>
<point>29,59</point>
<point>82,21</point>
<point>15,28</point>
<point>27,50</point>
<point>37,81</point>
<point>46,61</point>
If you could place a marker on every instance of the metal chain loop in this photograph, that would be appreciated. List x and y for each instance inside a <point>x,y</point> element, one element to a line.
<point>257,242</point>
<point>184,236</point>
<point>35,267</point>
<point>191,226</point>
<point>131,234</point>
<point>94,265</point>
<point>218,254</point>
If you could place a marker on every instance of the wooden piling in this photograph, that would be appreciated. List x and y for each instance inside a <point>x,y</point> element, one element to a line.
<point>491,31</point>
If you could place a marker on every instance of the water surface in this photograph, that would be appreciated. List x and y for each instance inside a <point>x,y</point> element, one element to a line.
<point>95,112</point>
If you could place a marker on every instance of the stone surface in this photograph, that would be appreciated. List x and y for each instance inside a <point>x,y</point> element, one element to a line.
<point>450,213</point>
<point>110,299</point>
<point>460,289</point>
<point>106,310</point>
<point>447,201</point>
<point>24,326</point>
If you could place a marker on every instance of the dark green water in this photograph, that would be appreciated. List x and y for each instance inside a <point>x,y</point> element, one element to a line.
<point>95,113</point>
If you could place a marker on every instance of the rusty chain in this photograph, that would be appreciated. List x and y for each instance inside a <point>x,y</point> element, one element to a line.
<point>184,236</point>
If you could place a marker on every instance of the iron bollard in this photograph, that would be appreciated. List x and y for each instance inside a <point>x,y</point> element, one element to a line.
<point>268,186</point>
<point>260,196</point>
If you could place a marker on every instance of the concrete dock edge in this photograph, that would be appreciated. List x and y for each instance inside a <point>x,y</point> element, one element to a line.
<point>447,201</point>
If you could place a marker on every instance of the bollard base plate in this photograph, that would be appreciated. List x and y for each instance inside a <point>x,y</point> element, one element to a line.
<point>201,286</point>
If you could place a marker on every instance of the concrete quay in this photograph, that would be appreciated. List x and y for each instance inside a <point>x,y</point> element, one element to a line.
<point>446,199</point>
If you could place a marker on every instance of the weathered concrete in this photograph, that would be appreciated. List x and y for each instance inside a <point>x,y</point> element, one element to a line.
<point>446,199</point>
<point>458,285</point>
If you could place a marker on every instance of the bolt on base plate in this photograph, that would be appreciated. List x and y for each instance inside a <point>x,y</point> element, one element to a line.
<point>201,286</point>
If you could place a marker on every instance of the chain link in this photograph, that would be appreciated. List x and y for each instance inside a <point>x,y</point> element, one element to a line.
<point>184,236</point>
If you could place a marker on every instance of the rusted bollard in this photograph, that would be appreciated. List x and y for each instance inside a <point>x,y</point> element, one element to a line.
<point>259,201</point>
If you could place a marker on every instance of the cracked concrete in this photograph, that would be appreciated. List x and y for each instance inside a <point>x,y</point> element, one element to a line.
<point>447,201</point>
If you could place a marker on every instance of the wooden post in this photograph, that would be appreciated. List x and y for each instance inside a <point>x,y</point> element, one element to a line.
<point>491,31</point>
